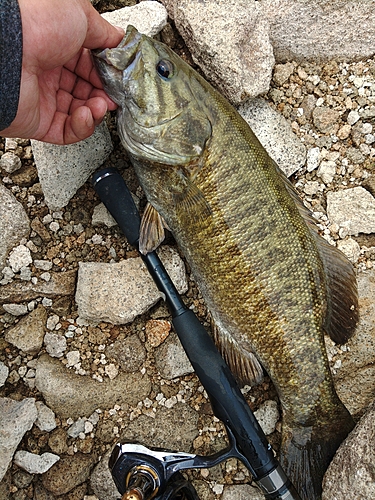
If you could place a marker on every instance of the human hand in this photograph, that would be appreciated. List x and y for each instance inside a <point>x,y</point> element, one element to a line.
<point>61,96</point>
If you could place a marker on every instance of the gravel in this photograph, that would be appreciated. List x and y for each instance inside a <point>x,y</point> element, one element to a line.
<point>74,381</point>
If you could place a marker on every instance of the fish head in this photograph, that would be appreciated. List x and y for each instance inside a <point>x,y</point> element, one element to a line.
<point>161,116</point>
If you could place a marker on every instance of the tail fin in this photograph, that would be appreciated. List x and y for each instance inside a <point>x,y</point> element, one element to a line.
<point>306,452</point>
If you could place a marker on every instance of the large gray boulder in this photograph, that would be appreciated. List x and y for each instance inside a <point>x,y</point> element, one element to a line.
<point>236,42</point>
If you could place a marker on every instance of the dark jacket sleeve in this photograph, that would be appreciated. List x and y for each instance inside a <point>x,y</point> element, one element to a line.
<point>10,60</point>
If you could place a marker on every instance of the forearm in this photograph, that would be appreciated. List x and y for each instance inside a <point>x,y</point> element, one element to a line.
<point>10,60</point>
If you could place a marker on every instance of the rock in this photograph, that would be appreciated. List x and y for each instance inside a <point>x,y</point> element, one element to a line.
<point>72,358</point>
<point>76,428</point>
<point>341,30</point>
<point>353,117</point>
<point>41,493</point>
<point>10,162</point>
<point>38,226</point>
<point>203,489</point>
<point>171,359</point>
<point>350,248</point>
<point>14,223</point>
<point>148,17</point>
<point>275,134</point>
<point>62,306</point>
<point>6,487</point>
<point>242,492</point>
<point>68,473</point>
<point>355,380</point>
<point>71,395</point>
<point>311,188</point>
<point>353,208</point>
<point>355,156</point>
<point>118,292</point>
<point>327,171</point>
<point>369,184</point>
<point>111,370</point>
<point>63,170</point>
<point>308,105</point>
<point>241,38</point>
<point>58,441</point>
<point>60,284</point>
<point>45,265</point>
<point>22,479</point>
<point>16,309</point>
<point>8,275</point>
<point>351,473</point>
<point>16,418</point>
<point>46,420</point>
<point>28,333</point>
<point>101,480</point>
<point>171,429</point>
<point>55,344</point>
<point>312,159</point>
<point>11,144</point>
<point>128,353</point>
<point>35,464</point>
<point>227,38</point>
<point>157,330</point>
<point>102,216</point>
<point>344,132</point>
<point>326,119</point>
<point>4,372</point>
<point>267,416</point>
<point>282,72</point>
<point>26,177</point>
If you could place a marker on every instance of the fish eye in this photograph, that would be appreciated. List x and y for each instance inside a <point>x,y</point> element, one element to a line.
<point>165,69</point>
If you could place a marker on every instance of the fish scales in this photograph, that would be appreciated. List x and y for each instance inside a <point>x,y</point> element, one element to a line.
<point>271,283</point>
<point>244,271</point>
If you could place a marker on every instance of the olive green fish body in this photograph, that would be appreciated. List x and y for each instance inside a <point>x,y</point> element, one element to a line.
<point>265,274</point>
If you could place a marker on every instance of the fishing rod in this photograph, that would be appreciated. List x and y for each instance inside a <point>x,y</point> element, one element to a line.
<point>142,473</point>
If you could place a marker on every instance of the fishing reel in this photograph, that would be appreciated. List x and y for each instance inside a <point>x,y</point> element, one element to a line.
<point>142,473</point>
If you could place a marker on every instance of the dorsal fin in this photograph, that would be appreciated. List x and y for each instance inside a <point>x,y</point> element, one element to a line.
<point>342,308</point>
<point>151,232</point>
<point>242,363</point>
<point>342,314</point>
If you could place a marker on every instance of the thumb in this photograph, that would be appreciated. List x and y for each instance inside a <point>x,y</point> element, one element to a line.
<point>100,33</point>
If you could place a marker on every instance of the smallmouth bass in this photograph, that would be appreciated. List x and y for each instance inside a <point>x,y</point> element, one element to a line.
<point>272,285</point>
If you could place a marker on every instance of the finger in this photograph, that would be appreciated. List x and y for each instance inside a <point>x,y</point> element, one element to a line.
<point>79,125</point>
<point>68,129</point>
<point>100,33</point>
<point>55,131</point>
<point>82,89</point>
<point>98,107</point>
<point>67,80</point>
<point>83,66</point>
<point>100,93</point>
<point>64,101</point>
<point>78,87</point>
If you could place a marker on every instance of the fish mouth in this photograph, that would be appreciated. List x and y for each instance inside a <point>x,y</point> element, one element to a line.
<point>125,55</point>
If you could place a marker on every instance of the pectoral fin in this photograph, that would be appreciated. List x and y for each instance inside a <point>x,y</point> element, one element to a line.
<point>152,230</point>
<point>191,200</point>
